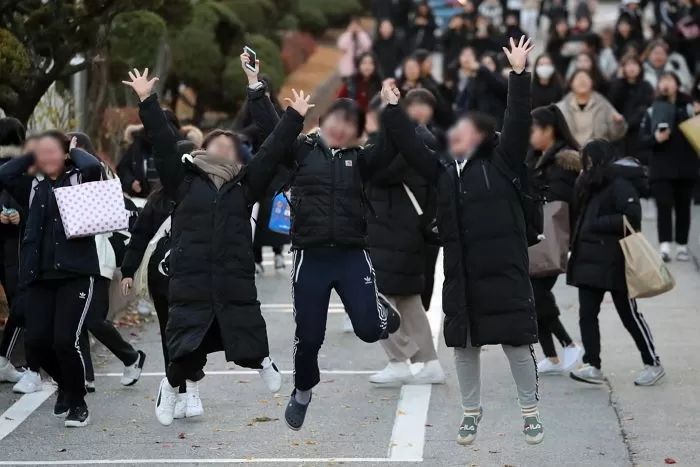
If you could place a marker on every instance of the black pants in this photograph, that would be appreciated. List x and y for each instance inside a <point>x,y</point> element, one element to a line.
<point>589,308</point>
<point>548,322</point>
<point>673,196</point>
<point>191,366</point>
<point>257,252</point>
<point>431,256</point>
<point>104,331</point>
<point>55,314</point>
<point>315,273</point>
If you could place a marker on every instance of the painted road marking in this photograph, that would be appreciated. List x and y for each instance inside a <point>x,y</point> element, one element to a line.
<point>23,408</point>
<point>250,372</point>
<point>272,460</point>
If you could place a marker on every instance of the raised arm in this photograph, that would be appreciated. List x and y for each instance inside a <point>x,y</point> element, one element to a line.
<point>263,166</point>
<point>89,166</point>
<point>261,109</point>
<point>515,135</point>
<point>163,139</point>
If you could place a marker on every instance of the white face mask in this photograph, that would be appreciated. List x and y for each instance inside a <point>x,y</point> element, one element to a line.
<point>544,71</point>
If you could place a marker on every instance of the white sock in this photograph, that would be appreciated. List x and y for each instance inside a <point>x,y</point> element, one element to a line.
<point>303,397</point>
<point>191,384</point>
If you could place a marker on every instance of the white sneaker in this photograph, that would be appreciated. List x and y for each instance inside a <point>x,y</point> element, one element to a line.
<point>650,375</point>
<point>144,308</point>
<point>547,367</point>
<point>347,324</point>
<point>132,373</point>
<point>393,373</point>
<point>431,373</point>
<point>279,261</point>
<point>8,372</point>
<point>271,375</point>
<point>665,251</point>
<point>194,406</point>
<point>165,402</point>
<point>572,357</point>
<point>29,382</point>
<point>682,253</point>
<point>180,406</point>
<point>588,374</point>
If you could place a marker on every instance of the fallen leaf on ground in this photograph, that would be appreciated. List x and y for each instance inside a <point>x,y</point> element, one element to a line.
<point>669,460</point>
<point>64,450</point>
<point>182,436</point>
<point>264,419</point>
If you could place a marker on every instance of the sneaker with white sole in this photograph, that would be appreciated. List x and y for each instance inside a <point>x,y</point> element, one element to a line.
<point>29,382</point>
<point>194,407</point>
<point>78,416</point>
<point>588,374</point>
<point>393,373</point>
<point>8,372</point>
<point>61,407</point>
<point>467,429</point>
<point>271,375</point>
<point>548,367</point>
<point>572,357</point>
<point>682,253</point>
<point>347,324</point>
<point>650,375</point>
<point>279,261</point>
<point>180,406</point>
<point>533,429</point>
<point>90,386</point>
<point>132,373</point>
<point>431,373</point>
<point>165,402</point>
<point>665,251</point>
<point>393,317</point>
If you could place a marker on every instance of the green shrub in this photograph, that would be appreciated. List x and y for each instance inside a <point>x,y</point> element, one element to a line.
<point>337,12</point>
<point>257,15</point>
<point>137,27</point>
<point>14,65</point>
<point>288,22</point>
<point>311,20</point>
<point>270,58</point>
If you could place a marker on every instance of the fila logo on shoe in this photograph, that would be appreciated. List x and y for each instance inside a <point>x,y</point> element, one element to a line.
<point>82,295</point>
<point>368,280</point>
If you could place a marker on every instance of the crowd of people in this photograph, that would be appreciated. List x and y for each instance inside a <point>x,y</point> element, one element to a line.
<point>411,157</point>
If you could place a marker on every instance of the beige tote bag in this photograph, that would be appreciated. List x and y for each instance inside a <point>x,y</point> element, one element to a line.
<point>549,256</point>
<point>645,271</point>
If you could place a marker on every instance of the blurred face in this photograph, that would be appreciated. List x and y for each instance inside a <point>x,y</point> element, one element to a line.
<point>541,137</point>
<point>411,70</point>
<point>561,28</point>
<point>583,24</point>
<point>467,59</point>
<point>367,66</point>
<point>224,147</point>
<point>421,113</point>
<point>49,156</point>
<point>668,87</point>
<point>582,84</point>
<point>658,57</point>
<point>631,69</point>
<point>624,28</point>
<point>463,138</point>
<point>427,66</point>
<point>371,122</point>
<point>489,63</point>
<point>338,132</point>
<point>386,29</point>
<point>584,62</point>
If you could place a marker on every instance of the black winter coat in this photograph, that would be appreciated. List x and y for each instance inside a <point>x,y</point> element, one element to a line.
<point>212,271</point>
<point>132,168</point>
<point>390,53</point>
<point>556,170</point>
<point>487,296</point>
<point>596,257</point>
<point>35,195</point>
<point>632,100</point>
<point>9,244</point>
<point>674,159</point>
<point>485,92</point>
<point>396,230</point>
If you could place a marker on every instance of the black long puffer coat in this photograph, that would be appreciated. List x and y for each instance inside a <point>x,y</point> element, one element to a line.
<point>212,271</point>
<point>596,257</point>
<point>395,230</point>
<point>487,296</point>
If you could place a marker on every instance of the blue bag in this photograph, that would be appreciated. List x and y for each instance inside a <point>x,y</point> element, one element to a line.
<point>280,216</point>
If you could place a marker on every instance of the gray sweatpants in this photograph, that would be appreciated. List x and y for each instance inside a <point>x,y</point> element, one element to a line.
<point>523,367</point>
<point>413,340</point>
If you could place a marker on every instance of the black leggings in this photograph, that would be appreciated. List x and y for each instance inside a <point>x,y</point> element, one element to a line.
<point>548,322</point>
<point>431,256</point>
<point>257,252</point>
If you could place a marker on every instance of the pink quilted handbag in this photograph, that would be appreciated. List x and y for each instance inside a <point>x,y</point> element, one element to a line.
<point>92,208</point>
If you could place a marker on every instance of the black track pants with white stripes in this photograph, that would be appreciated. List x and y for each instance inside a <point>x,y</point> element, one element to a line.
<point>589,308</point>
<point>55,315</point>
<point>315,273</point>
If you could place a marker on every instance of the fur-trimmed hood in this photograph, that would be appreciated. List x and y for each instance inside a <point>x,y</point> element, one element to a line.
<point>10,151</point>
<point>568,159</point>
<point>130,132</point>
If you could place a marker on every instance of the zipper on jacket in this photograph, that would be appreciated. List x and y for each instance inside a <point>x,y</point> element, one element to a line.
<point>333,159</point>
<point>486,176</point>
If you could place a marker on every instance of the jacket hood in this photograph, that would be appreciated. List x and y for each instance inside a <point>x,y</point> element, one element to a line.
<point>130,132</point>
<point>630,169</point>
<point>10,151</point>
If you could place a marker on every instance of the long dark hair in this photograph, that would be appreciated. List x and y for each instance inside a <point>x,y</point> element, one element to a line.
<point>596,156</point>
<point>551,116</point>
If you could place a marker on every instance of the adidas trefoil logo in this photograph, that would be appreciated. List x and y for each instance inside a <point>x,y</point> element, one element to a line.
<point>368,280</point>
<point>82,295</point>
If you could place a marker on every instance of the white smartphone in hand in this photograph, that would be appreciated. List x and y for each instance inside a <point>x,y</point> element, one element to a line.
<point>252,58</point>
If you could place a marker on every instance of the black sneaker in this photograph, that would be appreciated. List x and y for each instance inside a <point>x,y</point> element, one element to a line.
<point>295,413</point>
<point>393,318</point>
<point>61,408</point>
<point>77,416</point>
<point>90,386</point>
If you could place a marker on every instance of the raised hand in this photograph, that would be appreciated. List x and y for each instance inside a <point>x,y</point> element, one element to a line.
<point>300,103</point>
<point>517,55</point>
<point>390,93</point>
<point>73,143</point>
<point>142,86</point>
<point>252,75</point>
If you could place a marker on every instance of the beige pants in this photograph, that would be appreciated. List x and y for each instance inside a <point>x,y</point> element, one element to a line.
<point>413,340</point>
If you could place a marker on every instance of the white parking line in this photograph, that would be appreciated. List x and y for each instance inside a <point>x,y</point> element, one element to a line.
<point>408,435</point>
<point>271,460</point>
<point>250,372</point>
<point>23,408</point>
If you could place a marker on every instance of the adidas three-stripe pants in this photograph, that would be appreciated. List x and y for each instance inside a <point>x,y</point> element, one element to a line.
<point>315,273</point>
